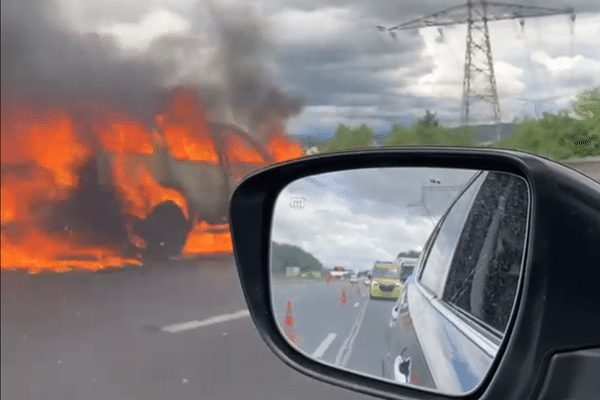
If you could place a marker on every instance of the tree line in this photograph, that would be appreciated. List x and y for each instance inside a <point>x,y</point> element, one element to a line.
<point>574,132</point>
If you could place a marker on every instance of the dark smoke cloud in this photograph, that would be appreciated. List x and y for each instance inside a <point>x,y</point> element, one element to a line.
<point>41,57</point>
<point>43,60</point>
<point>246,53</point>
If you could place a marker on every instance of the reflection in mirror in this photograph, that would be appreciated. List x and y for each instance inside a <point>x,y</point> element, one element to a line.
<point>404,274</point>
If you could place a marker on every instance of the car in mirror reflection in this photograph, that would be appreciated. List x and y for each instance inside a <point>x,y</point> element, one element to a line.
<point>386,281</point>
<point>452,284</point>
<point>447,325</point>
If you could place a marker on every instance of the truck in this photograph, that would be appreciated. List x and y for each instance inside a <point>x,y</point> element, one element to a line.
<point>340,272</point>
<point>407,267</point>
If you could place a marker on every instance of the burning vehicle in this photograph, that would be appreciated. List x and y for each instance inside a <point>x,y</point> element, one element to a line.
<point>192,194</point>
<point>102,189</point>
<point>112,157</point>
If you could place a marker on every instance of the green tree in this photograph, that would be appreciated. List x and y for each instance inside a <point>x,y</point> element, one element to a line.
<point>409,254</point>
<point>427,130</point>
<point>429,120</point>
<point>347,138</point>
<point>585,140</point>
<point>544,136</point>
<point>587,105</point>
<point>566,134</point>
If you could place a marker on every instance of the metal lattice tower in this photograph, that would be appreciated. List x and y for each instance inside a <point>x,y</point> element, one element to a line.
<point>479,83</point>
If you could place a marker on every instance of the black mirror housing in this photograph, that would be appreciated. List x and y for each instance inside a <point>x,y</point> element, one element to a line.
<point>557,304</point>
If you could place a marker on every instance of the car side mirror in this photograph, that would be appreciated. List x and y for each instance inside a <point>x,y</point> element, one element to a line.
<point>489,311</point>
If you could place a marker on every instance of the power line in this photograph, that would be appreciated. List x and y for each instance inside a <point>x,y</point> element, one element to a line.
<point>479,82</point>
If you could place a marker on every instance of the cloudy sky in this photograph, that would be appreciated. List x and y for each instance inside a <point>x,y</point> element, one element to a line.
<point>330,53</point>
<point>354,218</point>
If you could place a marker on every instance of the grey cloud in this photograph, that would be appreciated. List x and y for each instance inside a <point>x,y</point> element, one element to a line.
<point>343,76</point>
<point>385,192</point>
<point>396,11</point>
<point>332,73</point>
<point>41,57</point>
<point>38,55</point>
<point>355,217</point>
<point>339,238</point>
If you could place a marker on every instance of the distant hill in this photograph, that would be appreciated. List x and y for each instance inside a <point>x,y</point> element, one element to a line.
<point>286,255</point>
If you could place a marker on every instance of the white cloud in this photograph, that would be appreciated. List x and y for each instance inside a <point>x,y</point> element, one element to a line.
<point>541,61</point>
<point>294,26</point>
<point>336,237</point>
<point>138,36</point>
<point>357,217</point>
<point>558,66</point>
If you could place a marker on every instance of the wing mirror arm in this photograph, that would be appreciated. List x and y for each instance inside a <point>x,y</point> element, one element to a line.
<point>395,312</point>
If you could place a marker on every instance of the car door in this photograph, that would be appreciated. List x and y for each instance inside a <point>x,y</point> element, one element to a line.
<point>447,326</point>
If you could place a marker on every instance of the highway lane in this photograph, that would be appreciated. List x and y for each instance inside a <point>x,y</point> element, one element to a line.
<point>369,346</point>
<point>101,336</point>
<point>322,318</point>
<point>347,333</point>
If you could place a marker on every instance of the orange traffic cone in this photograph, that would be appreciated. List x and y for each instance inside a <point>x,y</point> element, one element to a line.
<point>344,298</point>
<point>289,320</point>
<point>289,323</point>
<point>292,337</point>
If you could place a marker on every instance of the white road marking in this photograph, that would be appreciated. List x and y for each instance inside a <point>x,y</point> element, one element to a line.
<point>350,344</point>
<point>324,345</point>
<point>343,354</point>
<point>185,326</point>
<point>356,304</point>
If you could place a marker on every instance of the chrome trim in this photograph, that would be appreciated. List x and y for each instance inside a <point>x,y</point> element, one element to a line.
<point>484,343</point>
<point>425,292</point>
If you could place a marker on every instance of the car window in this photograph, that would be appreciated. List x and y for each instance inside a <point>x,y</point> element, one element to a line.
<point>385,273</point>
<point>484,272</point>
<point>435,270</point>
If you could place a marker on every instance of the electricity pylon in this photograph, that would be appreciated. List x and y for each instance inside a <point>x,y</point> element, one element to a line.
<point>479,83</point>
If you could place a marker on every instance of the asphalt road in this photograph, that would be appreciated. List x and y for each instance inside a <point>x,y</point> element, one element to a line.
<point>173,331</point>
<point>336,322</point>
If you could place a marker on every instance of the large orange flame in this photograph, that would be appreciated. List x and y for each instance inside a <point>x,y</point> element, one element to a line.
<point>47,138</point>
<point>186,129</point>
<point>40,156</point>
<point>201,240</point>
<point>42,151</point>
<point>40,252</point>
<point>121,133</point>
<point>239,151</point>
<point>281,147</point>
<point>140,190</point>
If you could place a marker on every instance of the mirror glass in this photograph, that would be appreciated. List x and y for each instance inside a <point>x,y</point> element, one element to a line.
<point>404,274</point>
